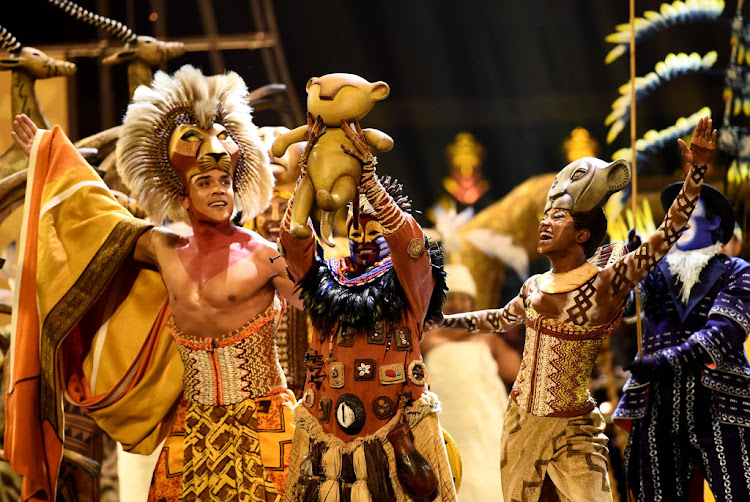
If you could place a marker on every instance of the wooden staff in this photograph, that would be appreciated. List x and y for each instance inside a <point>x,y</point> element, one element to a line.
<point>634,195</point>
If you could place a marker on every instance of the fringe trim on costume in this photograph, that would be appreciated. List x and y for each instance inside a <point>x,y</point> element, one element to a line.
<point>335,463</point>
<point>360,491</point>
<point>331,462</point>
<point>427,403</point>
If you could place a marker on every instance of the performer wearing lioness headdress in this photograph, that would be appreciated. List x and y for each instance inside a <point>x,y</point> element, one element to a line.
<point>552,427</point>
<point>126,342</point>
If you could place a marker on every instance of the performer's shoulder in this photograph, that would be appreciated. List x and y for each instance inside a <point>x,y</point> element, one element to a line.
<point>735,266</point>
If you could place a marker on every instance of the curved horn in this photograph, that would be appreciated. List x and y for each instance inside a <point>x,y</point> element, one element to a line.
<point>115,28</point>
<point>9,42</point>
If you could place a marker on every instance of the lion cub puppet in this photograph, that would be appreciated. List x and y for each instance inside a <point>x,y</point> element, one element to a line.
<point>335,100</point>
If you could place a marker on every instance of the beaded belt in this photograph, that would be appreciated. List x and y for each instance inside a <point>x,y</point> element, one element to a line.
<point>238,366</point>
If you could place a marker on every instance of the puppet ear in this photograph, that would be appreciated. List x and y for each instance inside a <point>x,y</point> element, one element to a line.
<point>619,175</point>
<point>310,83</point>
<point>380,90</point>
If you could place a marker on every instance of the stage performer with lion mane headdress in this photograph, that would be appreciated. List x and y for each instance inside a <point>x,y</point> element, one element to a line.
<point>553,434</point>
<point>125,318</point>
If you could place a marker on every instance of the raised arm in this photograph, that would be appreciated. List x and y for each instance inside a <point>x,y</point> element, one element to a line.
<point>635,266</point>
<point>409,254</point>
<point>387,211</point>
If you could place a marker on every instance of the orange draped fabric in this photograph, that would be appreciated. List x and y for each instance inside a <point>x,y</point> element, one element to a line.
<point>88,321</point>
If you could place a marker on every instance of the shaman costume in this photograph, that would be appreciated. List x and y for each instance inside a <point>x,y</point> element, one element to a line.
<point>91,323</point>
<point>699,411</point>
<point>552,426</point>
<point>365,373</point>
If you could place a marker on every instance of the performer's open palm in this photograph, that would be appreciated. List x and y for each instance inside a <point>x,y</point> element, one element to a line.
<point>24,130</point>
<point>702,146</point>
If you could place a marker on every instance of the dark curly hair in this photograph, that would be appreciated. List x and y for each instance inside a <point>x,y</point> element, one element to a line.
<point>596,223</point>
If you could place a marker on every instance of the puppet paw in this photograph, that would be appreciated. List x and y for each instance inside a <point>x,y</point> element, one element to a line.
<point>299,231</point>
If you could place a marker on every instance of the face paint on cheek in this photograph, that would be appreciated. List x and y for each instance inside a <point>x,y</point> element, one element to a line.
<point>384,249</point>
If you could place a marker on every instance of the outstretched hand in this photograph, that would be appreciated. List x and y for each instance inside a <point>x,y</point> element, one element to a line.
<point>703,145</point>
<point>24,130</point>
<point>358,139</point>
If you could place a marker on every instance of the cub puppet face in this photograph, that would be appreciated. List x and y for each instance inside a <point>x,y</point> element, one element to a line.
<point>343,96</point>
<point>586,184</point>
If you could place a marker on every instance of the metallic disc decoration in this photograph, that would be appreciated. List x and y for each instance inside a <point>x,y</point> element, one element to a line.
<point>308,397</point>
<point>350,413</point>
<point>417,372</point>
<point>415,248</point>
<point>383,407</point>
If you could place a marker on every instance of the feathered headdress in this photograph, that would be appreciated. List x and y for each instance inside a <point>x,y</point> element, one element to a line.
<point>189,97</point>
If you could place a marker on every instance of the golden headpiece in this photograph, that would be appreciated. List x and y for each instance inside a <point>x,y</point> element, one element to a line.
<point>189,97</point>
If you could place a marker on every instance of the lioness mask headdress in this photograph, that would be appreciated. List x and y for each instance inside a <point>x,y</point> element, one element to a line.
<point>189,97</point>
<point>587,183</point>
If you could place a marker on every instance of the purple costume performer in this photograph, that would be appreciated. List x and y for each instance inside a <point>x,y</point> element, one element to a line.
<point>687,402</point>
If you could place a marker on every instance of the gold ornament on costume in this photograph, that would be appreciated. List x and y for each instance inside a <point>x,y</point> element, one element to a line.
<point>465,157</point>
<point>188,98</point>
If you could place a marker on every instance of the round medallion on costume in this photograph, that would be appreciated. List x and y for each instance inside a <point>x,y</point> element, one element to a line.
<point>415,248</point>
<point>417,372</point>
<point>308,397</point>
<point>383,407</point>
<point>350,413</point>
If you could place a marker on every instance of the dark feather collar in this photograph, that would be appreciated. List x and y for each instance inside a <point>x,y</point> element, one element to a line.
<point>329,303</point>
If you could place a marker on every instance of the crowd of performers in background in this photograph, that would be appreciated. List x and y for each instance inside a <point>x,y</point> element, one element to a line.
<point>168,335</point>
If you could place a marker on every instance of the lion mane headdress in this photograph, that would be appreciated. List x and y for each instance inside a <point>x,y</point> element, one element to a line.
<point>189,97</point>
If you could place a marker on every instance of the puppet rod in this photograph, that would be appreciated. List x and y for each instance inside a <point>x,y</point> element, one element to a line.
<point>634,156</point>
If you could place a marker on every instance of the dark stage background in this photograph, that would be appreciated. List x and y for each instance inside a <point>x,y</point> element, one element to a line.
<point>518,75</point>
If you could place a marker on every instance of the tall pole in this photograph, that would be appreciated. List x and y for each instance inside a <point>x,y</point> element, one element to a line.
<point>634,161</point>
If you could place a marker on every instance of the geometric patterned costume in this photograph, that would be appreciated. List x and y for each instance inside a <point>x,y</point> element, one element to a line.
<point>689,416</point>
<point>552,426</point>
<point>232,436</point>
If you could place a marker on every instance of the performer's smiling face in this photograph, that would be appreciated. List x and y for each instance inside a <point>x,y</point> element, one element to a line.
<point>366,242</point>
<point>268,223</point>
<point>557,232</point>
<point>210,197</point>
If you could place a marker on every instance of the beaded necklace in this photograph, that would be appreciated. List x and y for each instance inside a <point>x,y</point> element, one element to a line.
<point>340,267</point>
